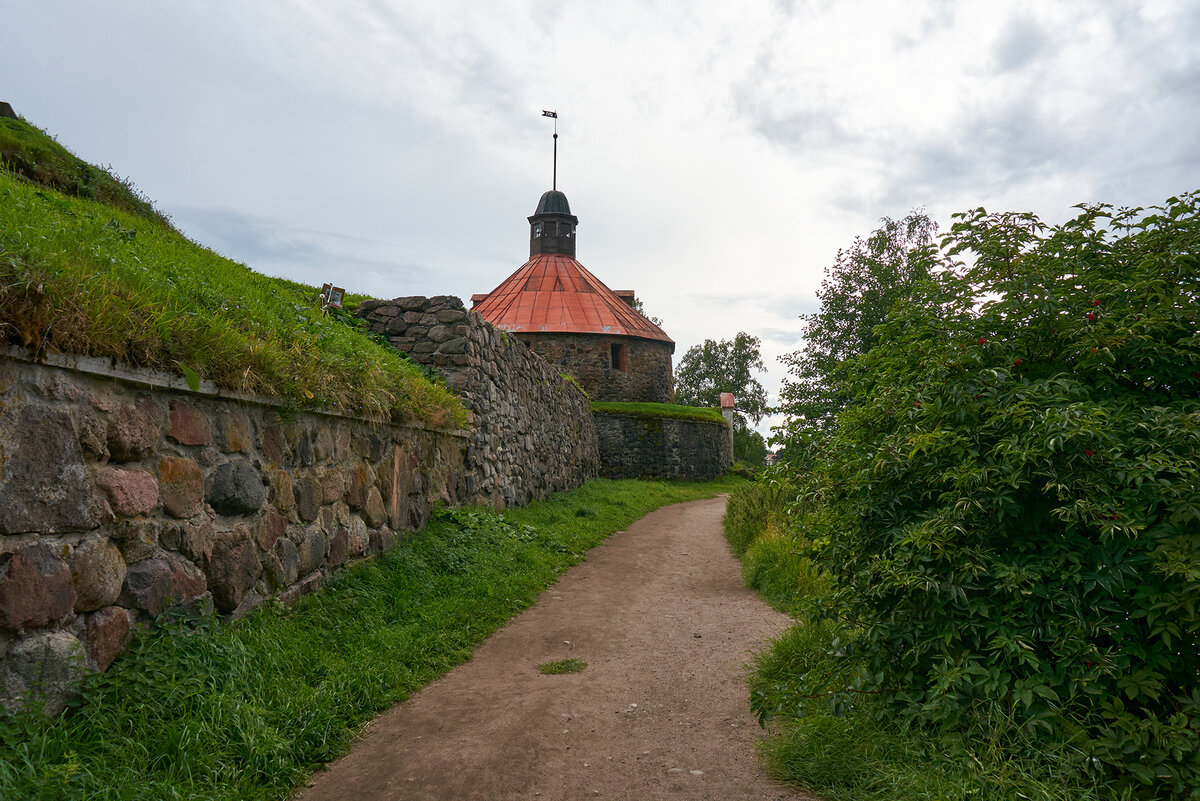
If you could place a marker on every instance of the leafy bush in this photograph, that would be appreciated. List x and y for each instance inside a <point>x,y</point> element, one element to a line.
<point>1010,503</point>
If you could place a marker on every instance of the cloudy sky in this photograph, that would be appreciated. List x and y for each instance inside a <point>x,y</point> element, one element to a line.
<point>717,153</point>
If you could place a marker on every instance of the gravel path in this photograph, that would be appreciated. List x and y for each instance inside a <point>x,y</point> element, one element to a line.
<point>661,617</point>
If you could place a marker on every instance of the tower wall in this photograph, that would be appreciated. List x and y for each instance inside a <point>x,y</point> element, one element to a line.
<point>588,358</point>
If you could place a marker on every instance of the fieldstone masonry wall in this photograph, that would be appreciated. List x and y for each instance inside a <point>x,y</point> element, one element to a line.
<point>644,376</point>
<point>532,431</point>
<point>662,447</point>
<point>120,498</point>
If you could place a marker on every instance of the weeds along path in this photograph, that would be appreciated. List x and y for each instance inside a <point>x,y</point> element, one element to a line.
<point>661,617</point>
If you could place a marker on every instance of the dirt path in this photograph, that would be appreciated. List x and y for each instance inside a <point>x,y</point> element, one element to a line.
<point>661,617</point>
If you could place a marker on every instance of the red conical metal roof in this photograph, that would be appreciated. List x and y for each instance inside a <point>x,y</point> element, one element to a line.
<point>554,293</point>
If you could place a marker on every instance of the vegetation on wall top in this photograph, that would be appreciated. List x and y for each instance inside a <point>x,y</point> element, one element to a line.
<point>100,275</point>
<point>651,411</point>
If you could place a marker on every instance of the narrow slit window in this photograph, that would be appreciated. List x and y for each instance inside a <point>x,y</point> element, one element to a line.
<point>618,356</point>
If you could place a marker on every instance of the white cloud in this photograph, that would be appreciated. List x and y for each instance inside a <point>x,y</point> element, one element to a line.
<point>710,149</point>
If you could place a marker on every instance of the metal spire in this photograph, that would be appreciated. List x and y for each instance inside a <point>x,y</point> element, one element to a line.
<point>554,114</point>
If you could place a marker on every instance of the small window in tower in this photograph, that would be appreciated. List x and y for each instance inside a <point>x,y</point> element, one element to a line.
<point>550,229</point>
<point>618,357</point>
<point>537,229</point>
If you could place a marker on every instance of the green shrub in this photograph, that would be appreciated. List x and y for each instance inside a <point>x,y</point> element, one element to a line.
<point>1010,507</point>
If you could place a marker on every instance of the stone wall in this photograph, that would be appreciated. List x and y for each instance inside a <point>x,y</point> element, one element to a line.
<point>123,493</point>
<point>645,377</point>
<point>662,447</point>
<point>532,431</point>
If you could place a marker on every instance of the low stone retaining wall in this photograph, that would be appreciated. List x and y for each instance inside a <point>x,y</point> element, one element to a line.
<point>662,447</point>
<point>122,494</point>
<point>532,431</point>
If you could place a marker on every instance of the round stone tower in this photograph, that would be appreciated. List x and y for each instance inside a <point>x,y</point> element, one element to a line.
<point>570,318</point>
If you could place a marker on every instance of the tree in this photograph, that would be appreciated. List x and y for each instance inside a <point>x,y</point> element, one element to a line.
<point>865,282</point>
<point>712,368</point>
<point>1010,508</point>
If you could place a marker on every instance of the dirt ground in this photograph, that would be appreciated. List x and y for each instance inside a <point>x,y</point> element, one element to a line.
<point>661,617</point>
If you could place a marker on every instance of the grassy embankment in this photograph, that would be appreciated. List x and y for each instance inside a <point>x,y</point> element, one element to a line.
<point>248,710</point>
<point>851,755</point>
<point>88,267</point>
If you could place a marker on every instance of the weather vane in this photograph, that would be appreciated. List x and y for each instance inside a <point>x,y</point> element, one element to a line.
<point>554,114</point>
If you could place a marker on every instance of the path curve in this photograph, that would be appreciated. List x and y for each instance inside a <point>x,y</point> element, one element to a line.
<point>661,616</point>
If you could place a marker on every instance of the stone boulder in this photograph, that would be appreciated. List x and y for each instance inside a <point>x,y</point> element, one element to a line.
<point>130,491</point>
<point>98,572</point>
<point>235,488</point>
<point>44,486</point>
<point>35,588</point>
<point>157,584</point>
<point>135,431</point>
<point>42,670</point>
<point>233,568</point>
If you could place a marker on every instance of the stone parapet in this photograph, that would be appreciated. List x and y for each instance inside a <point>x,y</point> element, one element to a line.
<point>531,430</point>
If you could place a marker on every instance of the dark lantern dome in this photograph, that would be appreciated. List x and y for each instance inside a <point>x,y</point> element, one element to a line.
<point>552,226</point>
<point>553,202</point>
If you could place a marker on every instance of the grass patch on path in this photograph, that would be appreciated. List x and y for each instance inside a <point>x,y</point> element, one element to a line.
<point>248,710</point>
<point>562,666</point>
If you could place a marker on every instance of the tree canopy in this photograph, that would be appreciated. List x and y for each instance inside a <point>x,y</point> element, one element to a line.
<point>717,366</point>
<point>866,281</point>
<point>1010,506</point>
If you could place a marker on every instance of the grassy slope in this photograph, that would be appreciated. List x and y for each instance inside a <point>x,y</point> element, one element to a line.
<point>250,709</point>
<point>853,756</point>
<point>109,277</point>
<point>653,411</point>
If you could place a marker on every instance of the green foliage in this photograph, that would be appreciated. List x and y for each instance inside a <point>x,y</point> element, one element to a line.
<point>214,710</point>
<point>82,277</point>
<point>723,366</point>
<point>844,746</point>
<point>34,155</point>
<point>1010,507</point>
<point>653,411</point>
<point>866,282</point>
<point>562,666</point>
<point>749,446</point>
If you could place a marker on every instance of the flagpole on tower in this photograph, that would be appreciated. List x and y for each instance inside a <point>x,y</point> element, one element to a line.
<point>554,114</point>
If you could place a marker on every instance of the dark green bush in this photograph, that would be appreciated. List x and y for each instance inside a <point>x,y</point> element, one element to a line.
<point>1010,506</point>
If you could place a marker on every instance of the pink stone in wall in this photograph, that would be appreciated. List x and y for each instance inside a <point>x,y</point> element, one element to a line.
<point>188,425</point>
<point>130,490</point>
<point>134,432</point>
<point>106,633</point>
<point>35,588</point>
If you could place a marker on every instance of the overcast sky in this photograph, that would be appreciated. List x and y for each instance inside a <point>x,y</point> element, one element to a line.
<point>717,153</point>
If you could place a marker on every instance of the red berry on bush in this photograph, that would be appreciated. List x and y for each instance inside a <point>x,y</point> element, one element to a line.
<point>917,404</point>
<point>1095,302</point>
<point>1017,362</point>
<point>1091,316</point>
<point>1088,452</point>
<point>981,340</point>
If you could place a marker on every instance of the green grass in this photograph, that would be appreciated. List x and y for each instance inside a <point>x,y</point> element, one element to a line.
<point>84,277</point>
<point>562,666</point>
<point>653,411</point>
<point>248,710</point>
<point>36,156</point>
<point>798,683</point>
